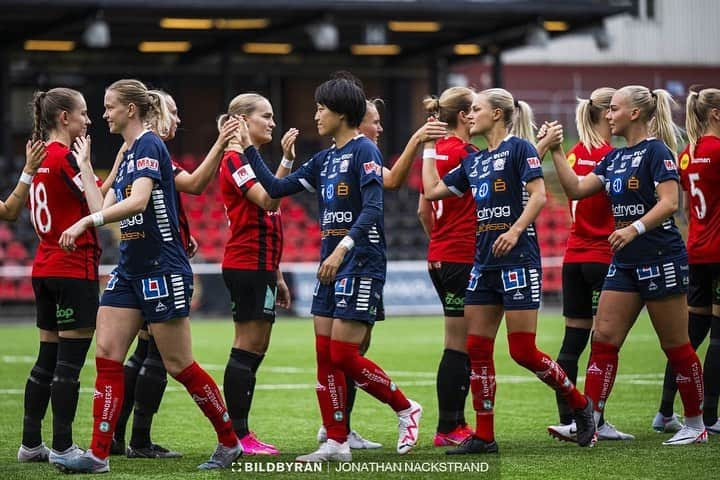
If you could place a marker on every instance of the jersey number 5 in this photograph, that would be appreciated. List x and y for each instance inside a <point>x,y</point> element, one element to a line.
<point>39,211</point>
<point>700,210</point>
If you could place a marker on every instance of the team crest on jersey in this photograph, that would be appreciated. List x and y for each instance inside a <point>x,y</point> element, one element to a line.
<point>499,164</point>
<point>684,161</point>
<point>646,273</point>
<point>670,165</point>
<point>636,162</point>
<point>344,287</point>
<point>147,163</point>
<point>534,162</point>
<point>344,166</point>
<point>514,279</point>
<point>571,160</point>
<point>154,288</point>
<point>372,167</point>
<point>243,175</point>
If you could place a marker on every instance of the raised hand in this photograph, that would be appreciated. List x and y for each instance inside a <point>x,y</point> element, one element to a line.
<point>228,130</point>
<point>81,151</point>
<point>242,134</point>
<point>35,153</point>
<point>432,130</point>
<point>288,143</point>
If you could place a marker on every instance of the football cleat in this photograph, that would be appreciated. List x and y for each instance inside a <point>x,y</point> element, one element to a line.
<point>330,451</point>
<point>85,463</point>
<point>153,451</point>
<point>70,452</point>
<point>252,446</point>
<point>35,454</point>
<point>585,423</point>
<point>662,424</point>
<point>357,442</point>
<point>473,445</point>
<point>408,426</point>
<point>454,438</point>
<point>222,457</point>
<point>688,435</point>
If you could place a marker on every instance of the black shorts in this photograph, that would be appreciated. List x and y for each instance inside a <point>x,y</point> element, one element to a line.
<point>450,281</point>
<point>581,287</point>
<point>704,288</point>
<point>252,293</point>
<point>66,303</point>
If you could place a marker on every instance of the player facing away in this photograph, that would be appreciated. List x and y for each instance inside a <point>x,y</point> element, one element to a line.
<point>649,266</point>
<point>450,226</point>
<point>152,281</point>
<point>251,264</point>
<point>506,182</point>
<point>145,374</point>
<point>587,255</point>
<point>699,177</point>
<point>347,179</point>
<point>393,178</point>
<point>65,284</point>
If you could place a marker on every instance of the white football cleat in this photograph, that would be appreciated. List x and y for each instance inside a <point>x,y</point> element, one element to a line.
<point>35,454</point>
<point>408,426</point>
<point>688,435</point>
<point>357,442</point>
<point>662,424</point>
<point>330,451</point>
<point>72,452</point>
<point>607,431</point>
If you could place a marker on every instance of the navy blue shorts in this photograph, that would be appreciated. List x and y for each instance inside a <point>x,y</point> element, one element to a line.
<point>158,297</point>
<point>515,288</point>
<point>350,298</point>
<point>653,281</point>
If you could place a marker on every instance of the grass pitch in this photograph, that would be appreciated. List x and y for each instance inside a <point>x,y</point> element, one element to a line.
<point>285,411</point>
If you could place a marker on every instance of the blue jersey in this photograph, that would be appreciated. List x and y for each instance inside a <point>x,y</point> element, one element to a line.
<point>497,180</point>
<point>150,241</point>
<point>630,175</point>
<point>348,184</point>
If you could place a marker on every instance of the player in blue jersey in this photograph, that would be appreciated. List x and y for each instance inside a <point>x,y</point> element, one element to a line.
<point>650,265</point>
<point>152,282</point>
<point>507,183</point>
<point>347,179</point>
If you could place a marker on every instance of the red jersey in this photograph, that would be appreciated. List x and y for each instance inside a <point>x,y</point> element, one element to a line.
<point>182,217</point>
<point>700,178</point>
<point>57,201</point>
<point>452,238</point>
<point>592,218</point>
<point>256,236</point>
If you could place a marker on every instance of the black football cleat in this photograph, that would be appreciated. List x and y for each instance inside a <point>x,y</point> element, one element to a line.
<point>585,424</point>
<point>472,445</point>
<point>153,451</point>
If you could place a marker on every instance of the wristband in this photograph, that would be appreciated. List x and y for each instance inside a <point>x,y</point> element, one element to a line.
<point>287,163</point>
<point>98,219</point>
<point>347,242</point>
<point>26,178</point>
<point>639,226</point>
<point>429,153</point>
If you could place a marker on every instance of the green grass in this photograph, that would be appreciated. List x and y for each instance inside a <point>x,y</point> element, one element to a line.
<point>409,348</point>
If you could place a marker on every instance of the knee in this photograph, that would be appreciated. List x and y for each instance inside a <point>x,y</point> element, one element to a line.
<point>522,348</point>
<point>342,354</point>
<point>175,364</point>
<point>479,349</point>
<point>322,349</point>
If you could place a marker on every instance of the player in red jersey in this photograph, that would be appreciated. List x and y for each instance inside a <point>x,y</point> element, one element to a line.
<point>65,284</point>
<point>587,255</point>
<point>145,374</point>
<point>35,153</point>
<point>251,265</point>
<point>700,177</point>
<point>450,226</point>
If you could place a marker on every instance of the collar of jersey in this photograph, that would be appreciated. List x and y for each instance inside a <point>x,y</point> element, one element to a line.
<point>334,145</point>
<point>139,136</point>
<point>509,136</point>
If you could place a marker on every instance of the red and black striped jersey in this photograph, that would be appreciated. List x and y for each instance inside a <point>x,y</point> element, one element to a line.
<point>182,217</point>
<point>256,236</point>
<point>57,201</point>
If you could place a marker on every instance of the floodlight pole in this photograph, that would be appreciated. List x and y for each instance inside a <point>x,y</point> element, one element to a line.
<point>6,150</point>
<point>497,69</point>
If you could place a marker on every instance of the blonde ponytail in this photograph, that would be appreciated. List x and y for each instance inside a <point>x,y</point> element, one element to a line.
<point>662,123</point>
<point>589,113</point>
<point>523,124</point>
<point>159,118</point>
<point>697,111</point>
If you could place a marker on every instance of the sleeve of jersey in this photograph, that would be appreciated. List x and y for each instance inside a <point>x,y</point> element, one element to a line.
<point>663,166</point>
<point>240,172</point>
<point>301,179</point>
<point>601,168</point>
<point>457,181</point>
<point>529,163</point>
<point>147,159</point>
<point>371,192</point>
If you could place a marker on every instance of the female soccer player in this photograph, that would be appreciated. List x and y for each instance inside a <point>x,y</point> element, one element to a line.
<point>649,265</point>
<point>348,180</point>
<point>587,255</point>
<point>450,226</point>
<point>700,176</point>
<point>145,374</point>
<point>152,282</point>
<point>507,185</point>
<point>12,206</point>
<point>65,284</point>
<point>251,265</point>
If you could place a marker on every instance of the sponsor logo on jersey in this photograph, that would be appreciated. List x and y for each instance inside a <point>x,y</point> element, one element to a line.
<point>514,279</point>
<point>633,183</point>
<point>343,189</point>
<point>571,158</point>
<point>684,161</point>
<point>130,166</point>
<point>499,185</point>
<point>482,191</point>
<point>329,191</point>
<point>344,287</point>
<point>631,210</point>
<point>243,175</point>
<point>372,167</point>
<point>154,288</point>
<point>341,216</point>
<point>488,213</point>
<point>43,170</point>
<point>587,163</point>
<point>670,165</point>
<point>147,163</point>
<point>534,162</point>
<point>617,185</point>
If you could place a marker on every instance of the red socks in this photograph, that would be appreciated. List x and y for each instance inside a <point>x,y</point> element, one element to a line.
<point>482,384</point>
<point>331,391</point>
<point>107,402</point>
<point>206,394</point>
<point>601,371</point>
<point>368,376</point>
<point>688,376</point>
<point>525,353</point>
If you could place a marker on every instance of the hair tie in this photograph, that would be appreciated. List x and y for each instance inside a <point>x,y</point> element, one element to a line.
<point>517,103</point>
<point>590,102</point>
<point>653,94</point>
